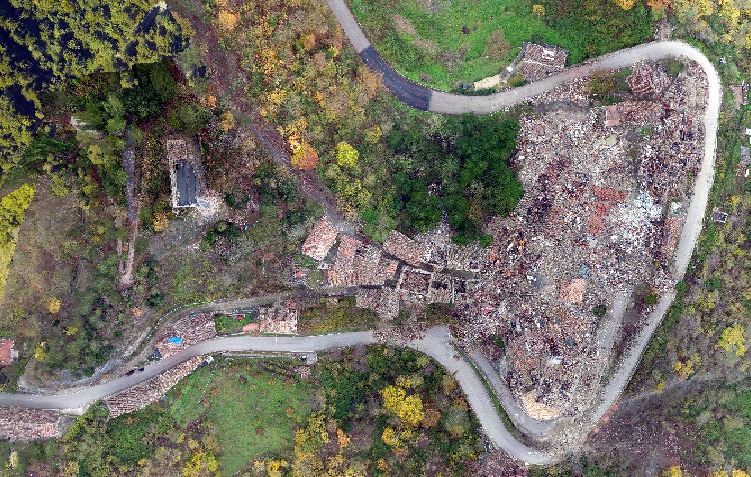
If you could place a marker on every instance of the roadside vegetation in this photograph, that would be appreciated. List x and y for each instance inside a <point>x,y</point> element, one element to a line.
<point>335,315</point>
<point>363,411</point>
<point>444,44</point>
<point>308,80</point>
<point>697,365</point>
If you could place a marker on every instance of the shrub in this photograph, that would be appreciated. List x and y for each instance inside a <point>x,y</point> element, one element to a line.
<point>154,299</point>
<point>162,80</point>
<point>188,118</point>
<point>674,67</point>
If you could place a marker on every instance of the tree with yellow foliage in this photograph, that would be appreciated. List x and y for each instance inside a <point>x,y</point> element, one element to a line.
<point>408,408</point>
<point>687,367</point>
<point>12,210</point>
<point>733,338</point>
<point>625,4</point>
<point>346,155</point>
<point>160,221</point>
<point>53,305</point>
<point>734,473</point>
<point>673,471</point>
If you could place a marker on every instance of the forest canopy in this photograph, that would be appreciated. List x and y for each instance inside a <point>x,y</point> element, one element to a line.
<point>461,171</point>
<point>12,209</point>
<point>44,43</point>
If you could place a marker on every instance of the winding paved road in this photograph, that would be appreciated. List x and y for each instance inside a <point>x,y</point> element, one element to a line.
<point>437,342</point>
<point>421,97</point>
<point>427,99</point>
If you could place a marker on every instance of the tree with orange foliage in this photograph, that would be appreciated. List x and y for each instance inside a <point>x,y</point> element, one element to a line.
<point>305,157</point>
<point>658,4</point>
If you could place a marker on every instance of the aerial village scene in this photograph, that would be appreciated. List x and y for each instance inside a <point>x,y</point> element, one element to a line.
<point>504,239</point>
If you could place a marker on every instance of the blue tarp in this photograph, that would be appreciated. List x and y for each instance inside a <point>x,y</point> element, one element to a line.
<point>176,340</point>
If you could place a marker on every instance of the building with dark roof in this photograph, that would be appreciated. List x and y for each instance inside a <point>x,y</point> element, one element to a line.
<point>186,183</point>
<point>184,179</point>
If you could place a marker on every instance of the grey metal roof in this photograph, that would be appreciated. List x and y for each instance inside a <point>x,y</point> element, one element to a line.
<point>186,184</point>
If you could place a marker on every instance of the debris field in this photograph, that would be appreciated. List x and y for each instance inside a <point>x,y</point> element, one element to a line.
<point>606,188</point>
<point>607,182</point>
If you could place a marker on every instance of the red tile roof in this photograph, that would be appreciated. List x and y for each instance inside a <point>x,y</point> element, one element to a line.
<point>320,240</point>
<point>6,347</point>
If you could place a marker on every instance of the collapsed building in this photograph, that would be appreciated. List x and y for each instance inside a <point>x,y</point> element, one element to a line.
<point>541,60</point>
<point>280,318</point>
<point>151,390</point>
<point>186,331</point>
<point>602,213</point>
<point>24,425</point>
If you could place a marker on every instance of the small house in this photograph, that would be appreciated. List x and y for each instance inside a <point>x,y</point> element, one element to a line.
<point>184,161</point>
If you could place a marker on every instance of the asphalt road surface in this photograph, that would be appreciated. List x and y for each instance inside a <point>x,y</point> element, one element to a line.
<point>448,103</point>
<point>438,343</point>
<point>406,91</point>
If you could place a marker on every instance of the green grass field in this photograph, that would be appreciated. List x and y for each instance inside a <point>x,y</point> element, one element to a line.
<point>253,419</point>
<point>427,44</point>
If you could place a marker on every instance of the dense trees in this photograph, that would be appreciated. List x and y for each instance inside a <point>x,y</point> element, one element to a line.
<point>461,170</point>
<point>384,411</point>
<point>594,27</point>
<point>12,209</point>
<point>46,43</point>
<point>726,22</point>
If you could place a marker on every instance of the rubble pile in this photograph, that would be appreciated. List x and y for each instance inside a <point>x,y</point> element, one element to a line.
<point>320,240</point>
<point>187,331</point>
<point>542,60</point>
<point>359,264</point>
<point>641,81</point>
<point>602,212</point>
<point>281,318</point>
<point>405,273</point>
<point>21,424</point>
<point>404,248</point>
<point>384,301</point>
<point>150,391</point>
